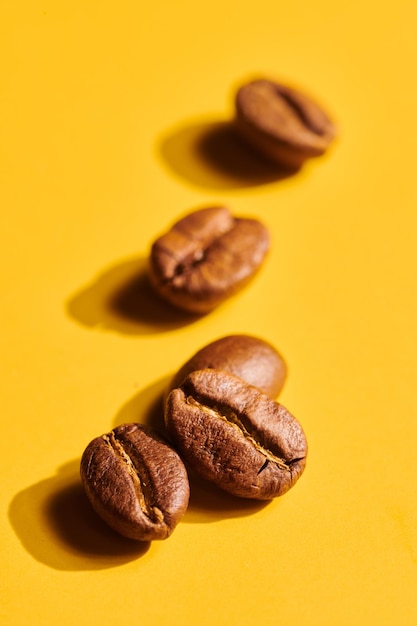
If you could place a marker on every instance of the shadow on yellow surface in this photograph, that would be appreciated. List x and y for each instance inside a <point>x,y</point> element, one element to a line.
<point>121,299</point>
<point>209,503</point>
<point>145,407</point>
<point>58,527</point>
<point>210,154</point>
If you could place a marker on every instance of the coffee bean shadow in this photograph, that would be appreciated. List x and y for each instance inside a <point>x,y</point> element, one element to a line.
<point>210,154</point>
<point>58,527</point>
<point>146,407</point>
<point>121,299</point>
<point>207,503</point>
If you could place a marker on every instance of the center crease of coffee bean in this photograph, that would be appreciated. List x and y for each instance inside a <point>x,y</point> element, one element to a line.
<point>187,266</point>
<point>299,113</point>
<point>152,512</point>
<point>233,420</point>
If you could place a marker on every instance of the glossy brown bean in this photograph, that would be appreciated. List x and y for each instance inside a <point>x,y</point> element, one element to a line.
<point>136,482</point>
<point>235,436</point>
<point>251,358</point>
<point>206,257</point>
<point>282,123</point>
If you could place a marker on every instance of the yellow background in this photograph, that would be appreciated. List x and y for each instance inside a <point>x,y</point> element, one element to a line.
<point>102,109</point>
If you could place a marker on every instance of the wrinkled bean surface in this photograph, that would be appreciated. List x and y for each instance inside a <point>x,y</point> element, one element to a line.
<point>136,482</point>
<point>234,435</point>
<point>282,123</point>
<point>206,257</point>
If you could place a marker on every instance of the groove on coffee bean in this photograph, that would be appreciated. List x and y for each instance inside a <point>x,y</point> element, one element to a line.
<point>234,420</point>
<point>140,479</point>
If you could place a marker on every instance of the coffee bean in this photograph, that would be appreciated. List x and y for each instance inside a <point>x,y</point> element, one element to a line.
<point>235,436</point>
<point>253,359</point>
<point>206,257</point>
<point>281,123</point>
<point>135,482</point>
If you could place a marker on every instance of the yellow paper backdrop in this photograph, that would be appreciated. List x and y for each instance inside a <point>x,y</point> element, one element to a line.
<point>104,112</point>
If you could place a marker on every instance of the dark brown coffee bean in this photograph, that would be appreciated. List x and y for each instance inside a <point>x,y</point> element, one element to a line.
<point>136,482</point>
<point>235,436</point>
<point>206,257</point>
<point>282,123</point>
<point>253,359</point>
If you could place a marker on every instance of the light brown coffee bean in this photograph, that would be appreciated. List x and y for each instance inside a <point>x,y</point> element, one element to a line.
<point>253,359</point>
<point>235,436</point>
<point>206,257</point>
<point>135,482</point>
<point>281,123</point>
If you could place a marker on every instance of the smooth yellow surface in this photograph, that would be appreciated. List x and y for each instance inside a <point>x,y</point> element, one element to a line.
<point>102,109</point>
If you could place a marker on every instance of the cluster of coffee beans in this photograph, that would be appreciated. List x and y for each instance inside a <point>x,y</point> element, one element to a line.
<point>221,415</point>
<point>222,421</point>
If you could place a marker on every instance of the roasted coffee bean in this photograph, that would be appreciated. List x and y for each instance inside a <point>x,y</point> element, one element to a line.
<point>282,123</point>
<point>135,482</point>
<point>235,436</point>
<point>253,359</point>
<point>206,257</point>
